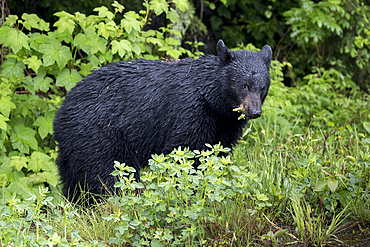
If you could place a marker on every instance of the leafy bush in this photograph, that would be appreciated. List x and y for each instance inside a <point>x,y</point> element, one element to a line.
<point>41,66</point>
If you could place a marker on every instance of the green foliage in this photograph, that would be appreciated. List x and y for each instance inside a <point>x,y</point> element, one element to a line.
<point>329,33</point>
<point>316,21</point>
<point>42,65</point>
<point>177,203</point>
<point>177,199</point>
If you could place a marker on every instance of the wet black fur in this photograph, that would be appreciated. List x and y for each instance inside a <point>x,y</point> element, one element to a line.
<point>127,111</point>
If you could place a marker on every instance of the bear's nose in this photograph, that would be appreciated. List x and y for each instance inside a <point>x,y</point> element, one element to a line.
<point>255,114</point>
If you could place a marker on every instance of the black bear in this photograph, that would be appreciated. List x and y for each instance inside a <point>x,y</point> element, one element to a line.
<point>128,111</point>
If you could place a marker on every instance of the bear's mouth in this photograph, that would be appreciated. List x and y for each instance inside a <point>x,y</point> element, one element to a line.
<point>250,112</point>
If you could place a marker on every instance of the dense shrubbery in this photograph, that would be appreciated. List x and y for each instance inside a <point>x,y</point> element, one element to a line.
<point>42,65</point>
<point>305,161</point>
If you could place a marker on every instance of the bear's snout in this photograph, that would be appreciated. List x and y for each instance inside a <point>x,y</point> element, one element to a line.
<point>251,106</point>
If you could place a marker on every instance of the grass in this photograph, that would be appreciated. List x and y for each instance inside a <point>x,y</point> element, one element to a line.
<point>287,191</point>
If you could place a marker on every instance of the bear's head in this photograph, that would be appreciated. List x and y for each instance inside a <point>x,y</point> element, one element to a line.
<point>248,77</point>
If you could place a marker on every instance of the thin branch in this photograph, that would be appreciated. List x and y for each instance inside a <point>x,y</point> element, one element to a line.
<point>291,73</point>
<point>2,12</point>
<point>280,42</point>
<point>318,55</point>
<point>291,47</point>
<point>2,24</point>
<point>322,54</point>
<point>201,10</point>
<point>189,68</point>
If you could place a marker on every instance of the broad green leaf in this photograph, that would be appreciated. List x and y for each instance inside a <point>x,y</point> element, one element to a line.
<point>3,181</point>
<point>23,138</point>
<point>136,48</point>
<point>111,27</point>
<point>366,126</point>
<point>13,68</point>
<point>212,6</point>
<point>97,44</point>
<point>80,41</point>
<point>333,184</point>
<point>181,4</point>
<point>155,243</point>
<point>13,38</point>
<point>41,177</point>
<point>62,14</point>
<point>41,82</point>
<point>80,17</point>
<point>359,42</point>
<point>94,61</point>
<point>11,174</point>
<point>172,41</point>
<point>64,24</point>
<point>3,121</point>
<point>44,26</point>
<point>24,108</point>
<point>45,124</point>
<point>268,13</point>
<point>52,178</point>
<point>36,39</point>
<point>173,16</point>
<point>55,52</point>
<point>159,6</point>
<point>320,185</point>
<point>89,22</point>
<point>31,21</point>
<point>104,12</point>
<point>5,89</point>
<point>121,47</point>
<point>33,63</point>
<point>62,37</point>
<point>331,124</point>
<point>154,41</point>
<point>6,105</point>
<point>10,20</point>
<point>344,196</point>
<point>174,53</point>
<point>18,162</point>
<point>86,68</point>
<point>131,22</point>
<point>39,161</point>
<point>21,186</point>
<point>68,79</point>
<point>38,178</point>
<point>118,6</point>
<point>102,30</point>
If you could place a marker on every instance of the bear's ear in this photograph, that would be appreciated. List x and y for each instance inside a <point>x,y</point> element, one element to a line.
<point>266,54</point>
<point>223,53</point>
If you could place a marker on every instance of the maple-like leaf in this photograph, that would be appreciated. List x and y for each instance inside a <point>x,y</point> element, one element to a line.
<point>45,124</point>
<point>68,79</point>
<point>23,138</point>
<point>53,52</point>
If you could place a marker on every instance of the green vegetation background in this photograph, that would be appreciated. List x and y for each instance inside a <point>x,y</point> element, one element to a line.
<point>305,161</point>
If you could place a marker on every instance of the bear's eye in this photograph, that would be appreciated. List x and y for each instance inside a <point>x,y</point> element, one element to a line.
<point>262,88</point>
<point>245,86</point>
